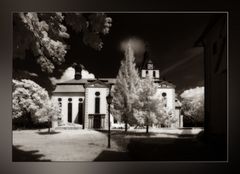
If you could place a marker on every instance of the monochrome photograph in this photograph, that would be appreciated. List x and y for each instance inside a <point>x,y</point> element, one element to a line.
<point>119,86</point>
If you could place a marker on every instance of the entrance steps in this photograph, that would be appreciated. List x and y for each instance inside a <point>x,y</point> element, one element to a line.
<point>68,126</point>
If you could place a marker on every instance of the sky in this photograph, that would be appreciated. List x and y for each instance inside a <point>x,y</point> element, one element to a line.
<point>170,38</point>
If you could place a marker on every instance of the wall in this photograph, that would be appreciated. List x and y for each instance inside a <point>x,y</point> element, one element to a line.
<point>90,103</point>
<point>64,108</point>
<point>150,73</point>
<point>170,96</point>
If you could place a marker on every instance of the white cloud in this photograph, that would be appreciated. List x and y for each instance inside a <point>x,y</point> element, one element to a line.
<point>137,44</point>
<point>69,74</point>
<point>87,75</point>
<point>193,93</point>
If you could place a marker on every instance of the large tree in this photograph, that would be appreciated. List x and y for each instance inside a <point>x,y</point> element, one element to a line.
<point>193,106</point>
<point>149,106</point>
<point>31,102</point>
<point>125,92</point>
<point>40,41</point>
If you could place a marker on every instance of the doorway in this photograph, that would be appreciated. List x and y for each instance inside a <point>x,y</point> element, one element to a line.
<point>97,121</point>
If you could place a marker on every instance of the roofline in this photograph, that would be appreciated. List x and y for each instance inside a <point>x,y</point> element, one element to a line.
<point>104,80</point>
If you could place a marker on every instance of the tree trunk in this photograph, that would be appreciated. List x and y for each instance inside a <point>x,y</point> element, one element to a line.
<point>29,120</point>
<point>147,126</point>
<point>49,126</point>
<point>126,122</point>
<point>126,127</point>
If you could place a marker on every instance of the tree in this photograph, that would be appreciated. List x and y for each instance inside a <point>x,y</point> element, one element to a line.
<point>40,41</point>
<point>193,105</point>
<point>32,102</point>
<point>42,34</point>
<point>167,117</point>
<point>149,105</point>
<point>126,87</point>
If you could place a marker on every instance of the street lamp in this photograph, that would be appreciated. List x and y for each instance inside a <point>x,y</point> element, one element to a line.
<point>109,101</point>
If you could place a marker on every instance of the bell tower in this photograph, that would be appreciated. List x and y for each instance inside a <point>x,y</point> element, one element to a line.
<point>149,70</point>
<point>78,71</point>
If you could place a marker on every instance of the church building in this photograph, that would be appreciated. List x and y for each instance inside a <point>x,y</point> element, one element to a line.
<point>83,101</point>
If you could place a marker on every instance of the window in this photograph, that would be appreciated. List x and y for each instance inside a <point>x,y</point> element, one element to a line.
<point>97,102</point>
<point>154,74</point>
<point>80,111</point>
<point>60,102</point>
<point>164,94</point>
<point>97,105</point>
<point>69,110</point>
<point>146,72</point>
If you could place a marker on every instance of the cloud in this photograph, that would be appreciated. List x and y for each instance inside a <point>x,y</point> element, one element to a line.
<point>87,75</point>
<point>194,93</point>
<point>138,46</point>
<point>69,74</point>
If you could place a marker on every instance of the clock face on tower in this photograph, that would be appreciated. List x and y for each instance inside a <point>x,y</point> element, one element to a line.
<point>150,66</point>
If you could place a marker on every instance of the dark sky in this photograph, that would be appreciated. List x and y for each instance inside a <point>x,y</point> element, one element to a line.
<point>170,37</point>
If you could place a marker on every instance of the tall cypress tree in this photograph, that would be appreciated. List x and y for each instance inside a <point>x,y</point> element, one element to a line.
<point>125,92</point>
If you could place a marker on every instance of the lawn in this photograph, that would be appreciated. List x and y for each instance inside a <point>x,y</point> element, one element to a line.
<point>63,145</point>
<point>91,145</point>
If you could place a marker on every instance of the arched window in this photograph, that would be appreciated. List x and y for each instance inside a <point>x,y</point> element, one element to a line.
<point>97,103</point>
<point>154,74</point>
<point>164,94</point>
<point>60,103</point>
<point>80,111</point>
<point>70,110</point>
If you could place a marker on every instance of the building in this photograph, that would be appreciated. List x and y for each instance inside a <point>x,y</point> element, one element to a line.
<point>214,40</point>
<point>83,101</point>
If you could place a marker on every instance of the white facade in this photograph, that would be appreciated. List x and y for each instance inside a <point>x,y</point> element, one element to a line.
<point>150,73</point>
<point>83,104</point>
<point>94,94</point>
<point>83,101</point>
<point>64,106</point>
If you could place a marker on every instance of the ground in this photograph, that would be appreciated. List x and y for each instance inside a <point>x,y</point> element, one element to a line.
<point>63,145</point>
<point>91,145</point>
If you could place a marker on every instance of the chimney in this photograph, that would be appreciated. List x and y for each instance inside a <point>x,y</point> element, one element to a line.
<point>78,71</point>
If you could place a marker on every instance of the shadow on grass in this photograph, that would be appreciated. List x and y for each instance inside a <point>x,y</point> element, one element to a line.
<point>107,155</point>
<point>48,133</point>
<point>130,133</point>
<point>184,147</point>
<point>26,156</point>
<point>180,135</point>
<point>169,149</point>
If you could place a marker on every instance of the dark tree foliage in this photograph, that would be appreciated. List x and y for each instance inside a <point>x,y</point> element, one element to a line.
<point>40,42</point>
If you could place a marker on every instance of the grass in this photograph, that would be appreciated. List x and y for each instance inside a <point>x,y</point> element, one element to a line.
<point>64,145</point>
<point>90,145</point>
<point>166,145</point>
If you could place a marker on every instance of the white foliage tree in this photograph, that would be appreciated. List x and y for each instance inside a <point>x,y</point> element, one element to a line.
<point>125,92</point>
<point>193,105</point>
<point>167,117</point>
<point>149,107</point>
<point>32,101</point>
